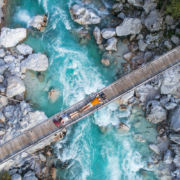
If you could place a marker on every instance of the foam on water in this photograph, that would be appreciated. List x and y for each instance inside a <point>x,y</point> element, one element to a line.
<point>23,16</point>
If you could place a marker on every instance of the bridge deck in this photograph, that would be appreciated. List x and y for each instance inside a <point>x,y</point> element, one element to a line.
<point>113,92</point>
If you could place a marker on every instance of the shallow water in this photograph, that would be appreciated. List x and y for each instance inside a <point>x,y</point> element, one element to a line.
<point>76,71</point>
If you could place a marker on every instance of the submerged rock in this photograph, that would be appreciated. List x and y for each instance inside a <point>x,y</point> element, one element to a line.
<point>53,95</point>
<point>108,33</point>
<point>11,37</point>
<point>24,49</point>
<point>15,86</point>
<point>97,35</point>
<point>35,62</point>
<point>128,56</point>
<point>83,16</point>
<point>39,22</point>
<point>122,127</point>
<point>155,113</point>
<point>129,26</point>
<point>106,61</point>
<point>139,138</point>
<point>154,148</point>
<point>112,44</point>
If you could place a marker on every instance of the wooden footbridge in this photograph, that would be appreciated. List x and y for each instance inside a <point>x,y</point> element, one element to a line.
<point>114,91</point>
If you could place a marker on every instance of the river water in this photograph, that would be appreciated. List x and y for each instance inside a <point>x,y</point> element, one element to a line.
<point>76,72</point>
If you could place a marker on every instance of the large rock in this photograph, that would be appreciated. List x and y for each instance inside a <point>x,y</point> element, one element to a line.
<point>155,113</point>
<point>15,86</point>
<point>137,3</point>
<point>39,22</point>
<point>11,37</point>
<point>149,5</point>
<point>175,138</point>
<point>171,82</point>
<point>112,44</point>
<point>117,7</point>
<point>30,176</point>
<point>2,131</point>
<point>84,16</point>
<point>125,98</point>
<point>170,105</point>
<point>154,22</point>
<point>108,33</point>
<point>145,92</point>
<point>9,59</point>
<point>35,62</point>
<point>142,45</point>
<point>168,157</point>
<point>169,20</point>
<point>175,119</point>
<point>16,177</point>
<point>176,161</point>
<point>97,35</point>
<point>153,40</point>
<point>175,40</point>
<point>129,26</point>
<point>24,49</point>
<point>128,56</point>
<point>176,148</point>
<point>154,148</point>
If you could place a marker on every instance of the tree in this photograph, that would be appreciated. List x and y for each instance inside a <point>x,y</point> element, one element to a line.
<point>173,8</point>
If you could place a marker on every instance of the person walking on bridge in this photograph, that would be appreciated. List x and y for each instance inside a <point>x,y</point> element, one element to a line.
<point>98,100</point>
<point>63,118</point>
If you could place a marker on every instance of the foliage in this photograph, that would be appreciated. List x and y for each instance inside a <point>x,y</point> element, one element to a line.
<point>173,8</point>
<point>5,176</point>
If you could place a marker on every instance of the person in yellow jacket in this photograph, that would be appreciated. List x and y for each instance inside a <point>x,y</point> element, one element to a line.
<point>98,100</point>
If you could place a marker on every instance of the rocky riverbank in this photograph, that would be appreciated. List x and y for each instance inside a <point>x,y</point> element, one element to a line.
<point>16,115</point>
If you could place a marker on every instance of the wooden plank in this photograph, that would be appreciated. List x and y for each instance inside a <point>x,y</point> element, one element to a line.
<point>107,92</point>
<point>147,72</point>
<point>16,143</point>
<point>31,135</point>
<point>125,86</point>
<point>8,149</point>
<point>25,141</point>
<point>168,61</point>
<point>172,58</point>
<point>115,91</point>
<point>13,146</point>
<point>176,54</point>
<point>161,64</point>
<point>155,68</point>
<point>4,152</point>
<point>119,86</point>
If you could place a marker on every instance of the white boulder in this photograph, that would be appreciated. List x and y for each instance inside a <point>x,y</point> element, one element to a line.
<point>38,21</point>
<point>16,177</point>
<point>149,5</point>
<point>15,86</point>
<point>171,81</point>
<point>24,49</point>
<point>9,59</point>
<point>175,40</point>
<point>128,56</point>
<point>35,62</point>
<point>108,33</point>
<point>112,44</point>
<point>84,16</point>
<point>137,3</point>
<point>11,37</point>
<point>129,26</point>
<point>155,113</point>
<point>2,53</point>
<point>97,35</point>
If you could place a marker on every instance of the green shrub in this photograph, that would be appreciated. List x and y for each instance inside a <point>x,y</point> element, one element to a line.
<point>173,8</point>
<point>5,176</point>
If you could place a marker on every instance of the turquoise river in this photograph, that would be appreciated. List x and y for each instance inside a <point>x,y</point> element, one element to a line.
<point>76,71</point>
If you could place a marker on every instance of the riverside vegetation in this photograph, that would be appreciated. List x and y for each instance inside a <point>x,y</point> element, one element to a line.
<point>145,33</point>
